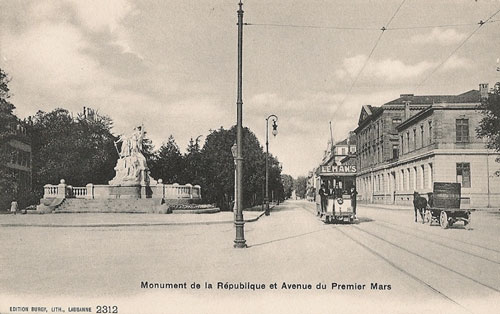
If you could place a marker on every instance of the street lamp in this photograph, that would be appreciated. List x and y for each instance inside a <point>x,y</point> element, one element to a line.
<point>275,132</point>
<point>239,223</point>
<point>234,151</point>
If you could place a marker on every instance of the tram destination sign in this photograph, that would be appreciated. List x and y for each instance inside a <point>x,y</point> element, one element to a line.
<point>342,169</point>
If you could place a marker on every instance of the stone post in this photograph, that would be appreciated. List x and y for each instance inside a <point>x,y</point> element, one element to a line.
<point>46,191</point>
<point>190,190</point>
<point>197,187</point>
<point>176,189</point>
<point>61,189</point>
<point>90,191</point>
<point>160,190</point>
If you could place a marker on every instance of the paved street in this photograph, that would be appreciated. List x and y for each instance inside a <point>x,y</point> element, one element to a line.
<point>427,268</point>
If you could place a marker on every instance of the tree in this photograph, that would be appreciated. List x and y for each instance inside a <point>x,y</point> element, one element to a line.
<point>192,163</point>
<point>287,185</point>
<point>276,190</point>
<point>80,150</point>
<point>168,164</point>
<point>217,172</point>
<point>300,186</point>
<point>7,121</point>
<point>489,126</point>
<point>218,168</point>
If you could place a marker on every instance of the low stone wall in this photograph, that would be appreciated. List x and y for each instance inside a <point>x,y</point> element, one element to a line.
<point>91,191</point>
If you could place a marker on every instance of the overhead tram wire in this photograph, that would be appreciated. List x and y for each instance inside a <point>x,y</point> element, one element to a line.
<point>314,26</point>
<point>364,28</point>
<point>383,29</point>
<point>436,26</point>
<point>480,24</point>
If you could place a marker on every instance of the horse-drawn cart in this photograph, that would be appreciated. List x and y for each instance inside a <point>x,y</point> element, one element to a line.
<point>444,205</point>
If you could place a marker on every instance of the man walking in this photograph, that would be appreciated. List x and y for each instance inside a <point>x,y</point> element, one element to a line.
<point>323,194</point>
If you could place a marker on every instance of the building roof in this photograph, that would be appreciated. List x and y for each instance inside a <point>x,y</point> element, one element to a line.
<point>352,140</point>
<point>467,97</point>
<point>369,112</point>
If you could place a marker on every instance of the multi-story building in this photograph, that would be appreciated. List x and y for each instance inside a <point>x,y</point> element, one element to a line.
<point>342,149</point>
<point>342,153</point>
<point>411,142</point>
<point>19,148</point>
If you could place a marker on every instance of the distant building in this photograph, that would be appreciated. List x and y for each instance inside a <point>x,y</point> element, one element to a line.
<point>342,153</point>
<point>411,142</point>
<point>20,164</point>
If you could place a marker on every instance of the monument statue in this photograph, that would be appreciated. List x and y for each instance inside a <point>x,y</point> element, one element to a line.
<point>131,168</point>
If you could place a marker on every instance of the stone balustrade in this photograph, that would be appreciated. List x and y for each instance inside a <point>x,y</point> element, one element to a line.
<point>91,191</point>
<point>50,191</point>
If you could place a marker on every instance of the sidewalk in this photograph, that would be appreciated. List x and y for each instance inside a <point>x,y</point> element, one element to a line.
<point>407,207</point>
<point>386,206</point>
<point>69,220</point>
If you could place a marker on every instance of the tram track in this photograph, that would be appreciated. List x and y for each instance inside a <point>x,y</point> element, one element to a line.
<point>426,259</point>
<point>448,238</point>
<point>401,269</point>
<point>437,243</point>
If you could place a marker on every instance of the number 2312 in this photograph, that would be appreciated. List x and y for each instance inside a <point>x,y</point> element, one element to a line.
<point>105,309</point>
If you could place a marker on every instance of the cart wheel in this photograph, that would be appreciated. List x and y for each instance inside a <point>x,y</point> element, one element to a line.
<point>443,220</point>
<point>467,222</point>
<point>428,217</point>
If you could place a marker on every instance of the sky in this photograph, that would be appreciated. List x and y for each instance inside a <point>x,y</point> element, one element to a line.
<point>172,65</point>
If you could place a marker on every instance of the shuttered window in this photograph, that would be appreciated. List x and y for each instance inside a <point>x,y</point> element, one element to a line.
<point>463,174</point>
<point>462,127</point>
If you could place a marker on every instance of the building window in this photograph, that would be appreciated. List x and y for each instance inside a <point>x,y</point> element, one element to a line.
<point>421,135</point>
<point>401,144</point>
<point>462,127</point>
<point>402,179</point>
<point>408,179</point>
<point>414,139</point>
<point>422,177</point>
<point>395,151</point>
<point>415,178</point>
<point>408,141</point>
<point>431,175</point>
<point>396,122</point>
<point>430,132</point>
<point>463,174</point>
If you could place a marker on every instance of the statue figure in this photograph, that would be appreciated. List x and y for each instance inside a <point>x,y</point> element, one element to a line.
<point>125,149</point>
<point>131,168</point>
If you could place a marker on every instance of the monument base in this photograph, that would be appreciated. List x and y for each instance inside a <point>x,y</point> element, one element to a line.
<point>122,191</point>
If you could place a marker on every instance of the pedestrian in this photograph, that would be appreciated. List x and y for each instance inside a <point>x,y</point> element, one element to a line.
<point>354,194</point>
<point>13,207</point>
<point>323,194</point>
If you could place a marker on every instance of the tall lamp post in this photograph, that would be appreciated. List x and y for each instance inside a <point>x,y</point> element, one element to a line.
<point>239,223</point>
<point>275,132</point>
<point>234,151</point>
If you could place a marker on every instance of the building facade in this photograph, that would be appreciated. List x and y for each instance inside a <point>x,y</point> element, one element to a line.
<point>343,153</point>
<point>409,143</point>
<point>20,163</point>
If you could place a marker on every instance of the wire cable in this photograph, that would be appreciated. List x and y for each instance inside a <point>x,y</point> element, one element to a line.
<point>366,28</point>
<point>383,29</point>
<point>313,26</point>
<point>481,23</point>
<point>396,12</point>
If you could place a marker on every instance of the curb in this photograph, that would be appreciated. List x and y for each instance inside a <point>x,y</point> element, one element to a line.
<point>132,224</point>
<point>256,218</point>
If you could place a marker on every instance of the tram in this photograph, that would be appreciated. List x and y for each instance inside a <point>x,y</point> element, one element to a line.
<point>338,186</point>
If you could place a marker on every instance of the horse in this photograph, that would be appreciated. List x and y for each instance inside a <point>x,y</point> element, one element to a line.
<point>420,205</point>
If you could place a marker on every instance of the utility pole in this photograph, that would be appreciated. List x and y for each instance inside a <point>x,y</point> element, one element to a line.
<point>239,241</point>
